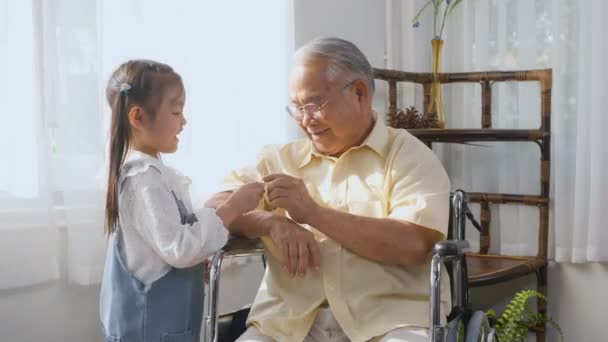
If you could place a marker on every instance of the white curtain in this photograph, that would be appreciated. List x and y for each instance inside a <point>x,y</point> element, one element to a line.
<point>55,61</point>
<point>567,36</point>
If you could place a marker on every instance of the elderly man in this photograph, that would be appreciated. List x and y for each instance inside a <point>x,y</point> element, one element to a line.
<point>352,213</point>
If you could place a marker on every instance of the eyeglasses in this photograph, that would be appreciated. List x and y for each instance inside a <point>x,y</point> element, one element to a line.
<point>313,110</point>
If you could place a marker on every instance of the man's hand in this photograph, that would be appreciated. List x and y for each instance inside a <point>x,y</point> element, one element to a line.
<point>290,193</point>
<point>298,251</point>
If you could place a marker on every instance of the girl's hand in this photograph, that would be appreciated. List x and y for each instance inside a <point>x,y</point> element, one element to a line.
<point>243,200</point>
<point>247,197</point>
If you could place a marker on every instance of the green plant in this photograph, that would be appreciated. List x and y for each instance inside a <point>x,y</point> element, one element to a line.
<point>447,6</point>
<point>517,319</point>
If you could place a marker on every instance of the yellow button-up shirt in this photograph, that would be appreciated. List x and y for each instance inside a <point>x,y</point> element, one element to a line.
<point>391,175</point>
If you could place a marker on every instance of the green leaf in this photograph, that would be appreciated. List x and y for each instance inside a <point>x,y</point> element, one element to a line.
<point>491,313</point>
<point>517,318</point>
<point>460,337</point>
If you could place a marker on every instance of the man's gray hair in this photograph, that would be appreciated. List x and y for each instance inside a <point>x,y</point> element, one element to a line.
<point>342,56</point>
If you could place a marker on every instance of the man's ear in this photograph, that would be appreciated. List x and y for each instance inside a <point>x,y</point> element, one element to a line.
<point>136,115</point>
<point>361,89</point>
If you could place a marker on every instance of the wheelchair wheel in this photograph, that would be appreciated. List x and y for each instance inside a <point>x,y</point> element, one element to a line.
<point>478,328</point>
<point>492,335</point>
<point>455,329</point>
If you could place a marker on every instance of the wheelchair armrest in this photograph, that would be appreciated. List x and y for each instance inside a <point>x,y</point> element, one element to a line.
<point>446,250</point>
<point>242,247</point>
<point>449,249</point>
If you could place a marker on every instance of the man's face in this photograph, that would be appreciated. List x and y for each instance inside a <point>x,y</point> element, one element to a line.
<point>340,123</point>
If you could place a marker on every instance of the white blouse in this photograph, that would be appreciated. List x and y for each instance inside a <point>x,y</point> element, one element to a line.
<point>158,227</point>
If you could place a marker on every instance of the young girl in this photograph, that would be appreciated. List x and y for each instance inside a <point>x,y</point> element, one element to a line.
<point>152,288</point>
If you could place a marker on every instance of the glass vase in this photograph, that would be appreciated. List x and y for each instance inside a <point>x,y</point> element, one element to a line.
<point>435,102</point>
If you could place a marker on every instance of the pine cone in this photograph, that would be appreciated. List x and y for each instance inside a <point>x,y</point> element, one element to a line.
<point>429,120</point>
<point>412,118</point>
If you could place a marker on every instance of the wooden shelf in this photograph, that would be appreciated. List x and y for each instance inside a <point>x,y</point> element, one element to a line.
<point>479,134</point>
<point>488,269</point>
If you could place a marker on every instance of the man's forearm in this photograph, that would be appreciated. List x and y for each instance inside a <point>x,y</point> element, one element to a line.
<point>384,240</point>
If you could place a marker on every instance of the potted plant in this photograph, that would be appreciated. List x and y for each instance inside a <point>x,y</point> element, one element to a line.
<point>517,318</point>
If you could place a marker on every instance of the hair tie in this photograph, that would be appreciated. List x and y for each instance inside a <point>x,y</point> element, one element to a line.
<point>124,87</point>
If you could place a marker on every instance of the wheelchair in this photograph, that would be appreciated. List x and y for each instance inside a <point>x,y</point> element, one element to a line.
<point>463,324</point>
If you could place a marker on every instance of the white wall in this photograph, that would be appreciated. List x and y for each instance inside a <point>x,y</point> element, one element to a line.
<point>578,301</point>
<point>360,21</point>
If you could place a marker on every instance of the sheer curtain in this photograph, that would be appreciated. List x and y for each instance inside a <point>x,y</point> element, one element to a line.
<point>56,58</point>
<point>566,36</point>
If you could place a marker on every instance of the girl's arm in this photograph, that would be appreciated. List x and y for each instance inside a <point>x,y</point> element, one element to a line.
<point>150,208</point>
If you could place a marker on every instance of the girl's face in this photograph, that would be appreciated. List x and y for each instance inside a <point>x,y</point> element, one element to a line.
<point>159,134</point>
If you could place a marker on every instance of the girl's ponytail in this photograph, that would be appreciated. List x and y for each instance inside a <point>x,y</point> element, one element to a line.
<point>119,145</point>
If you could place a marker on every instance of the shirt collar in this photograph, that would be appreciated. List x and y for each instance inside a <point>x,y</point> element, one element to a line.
<point>133,154</point>
<point>377,140</point>
<point>307,152</point>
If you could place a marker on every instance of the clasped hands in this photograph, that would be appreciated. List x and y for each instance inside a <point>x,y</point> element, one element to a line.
<point>296,248</point>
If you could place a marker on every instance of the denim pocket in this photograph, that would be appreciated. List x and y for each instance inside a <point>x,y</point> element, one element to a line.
<point>185,336</point>
<point>109,338</point>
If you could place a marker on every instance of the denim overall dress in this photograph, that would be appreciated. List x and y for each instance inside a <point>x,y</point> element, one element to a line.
<point>168,310</point>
